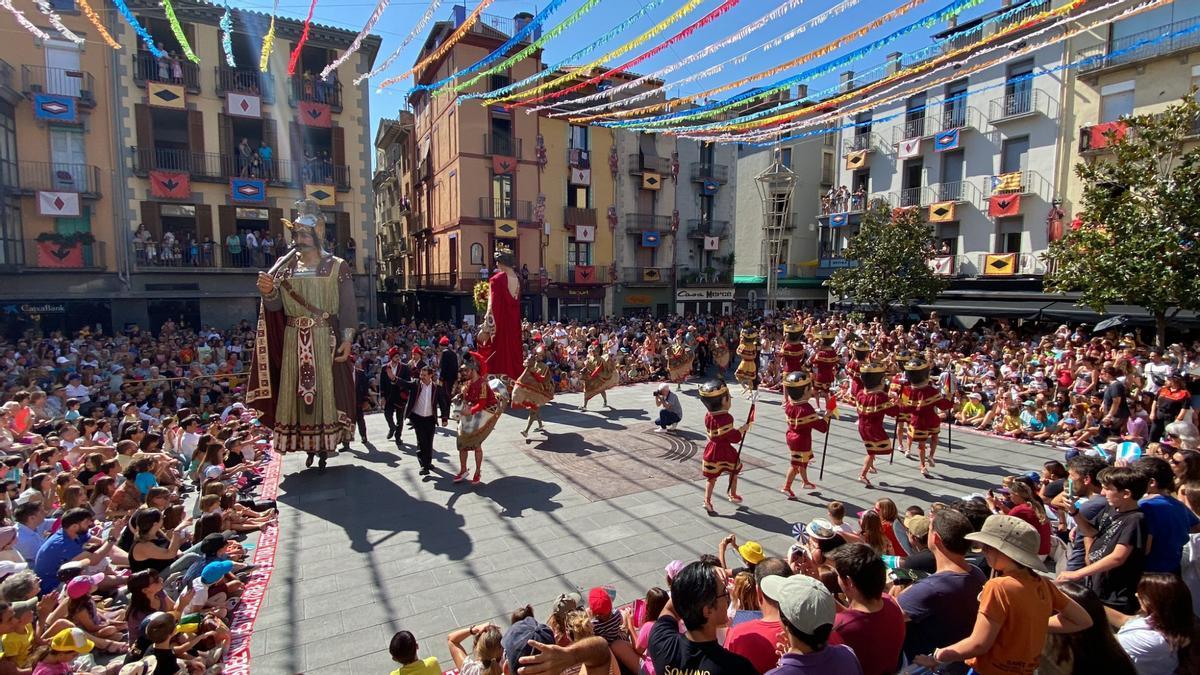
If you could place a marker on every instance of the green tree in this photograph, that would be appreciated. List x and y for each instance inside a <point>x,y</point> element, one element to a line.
<point>1141,209</point>
<point>893,249</point>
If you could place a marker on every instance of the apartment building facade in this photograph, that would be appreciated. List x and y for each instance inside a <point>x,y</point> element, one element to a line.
<point>392,183</point>
<point>704,250</point>
<point>59,241</point>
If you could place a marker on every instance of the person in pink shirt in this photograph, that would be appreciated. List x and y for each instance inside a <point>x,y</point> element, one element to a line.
<point>756,639</point>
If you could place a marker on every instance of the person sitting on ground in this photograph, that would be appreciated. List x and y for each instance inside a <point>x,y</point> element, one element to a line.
<point>403,650</point>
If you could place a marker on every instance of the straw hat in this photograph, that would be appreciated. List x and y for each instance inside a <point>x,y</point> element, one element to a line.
<point>1013,537</point>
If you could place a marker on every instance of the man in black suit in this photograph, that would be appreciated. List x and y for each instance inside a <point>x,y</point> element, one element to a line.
<point>395,379</point>
<point>447,377</point>
<point>421,411</point>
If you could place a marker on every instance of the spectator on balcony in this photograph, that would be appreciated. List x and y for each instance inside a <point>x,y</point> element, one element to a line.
<point>251,248</point>
<point>256,166</point>
<point>167,254</point>
<point>139,243</point>
<point>176,68</point>
<point>859,199</point>
<point>351,251</point>
<point>244,154</point>
<point>309,167</point>
<point>151,252</point>
<point>264,155</point>
<point>268,249</point>
<point>164,65</point>
<point>206,251</point>
<point>233,246</point>
<point>193,256</point>
<point>524,275</point>
<point>308,85</point>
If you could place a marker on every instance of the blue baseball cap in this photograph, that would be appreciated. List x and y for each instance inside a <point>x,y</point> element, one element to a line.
<point>213,571</point>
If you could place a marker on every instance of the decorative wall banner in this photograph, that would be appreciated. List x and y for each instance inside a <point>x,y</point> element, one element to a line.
<point>177,31</point>
<point>170,184</point>
<point>506,228</point>
<point>651,274</point>
<point>1098,134</point>
<point>910,147</point>
<point>712,243</point>
<point>838,219</point>
<point>856,160</point>
<point>1006,182</point>
<point>324,195</point>
<point>247,190</point>
<point>709,187</point>
<point>243,105</point>
<point>314,114</point>
<point>55,108</point>
<point>941,212</point>
<point>651,180</point>
<point>60,255</point>
<point>162,95</point>
<point>58,204</point>
<point>56,21</point>
<point>650,239</point>
<point>942,265</point>
<point>585,234</point>
<point>1003,206</point>
<point>502,165</point>
<point>580,176</point>
<point>999,264</point>
<point>585,274</point>
<point>946,140</point>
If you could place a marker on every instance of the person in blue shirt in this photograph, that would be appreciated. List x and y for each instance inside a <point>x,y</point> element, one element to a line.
<point>1168,521</point>
<point>31,526</point>
<point>68,543</point>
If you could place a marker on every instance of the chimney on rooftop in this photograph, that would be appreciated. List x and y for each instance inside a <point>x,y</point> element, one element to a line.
<point>459,12</point>
<point>893,63</point>
<point>847,82</point>
<point>801,92</point>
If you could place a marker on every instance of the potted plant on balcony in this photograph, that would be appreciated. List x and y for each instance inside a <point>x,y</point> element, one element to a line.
<point>62,250</point>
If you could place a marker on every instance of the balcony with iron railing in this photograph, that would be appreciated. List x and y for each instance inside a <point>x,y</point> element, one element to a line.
<point>646,222</point>
<point>505,209</point>
<point>920,195</point>
<point>62,81</point>
<point>703,171</point>
<point>1020,103</point>
<point>219,168</point>
<point>710,276</point>
<point>1139,47</point>
<point>312,89</point>
<point>8,89</point>
<point>30,177</point>
<point>850,202</point>
<point>574,216</point>
<point>1031,183</point>
<point>970,37</point>
<point>700,228</point>
<point>869,141</point>
<point>1027,264</point>
<point>443,281</point>
<point>53,255</point>
<point>584,275</point>
<point>505,145</point>
<point>489,24</point>
<point>249,81</point>
<point>959,191</point>
<point>147,68</point>
<point>647,276</point>
<point>639,163</point>
<point>938,119</point>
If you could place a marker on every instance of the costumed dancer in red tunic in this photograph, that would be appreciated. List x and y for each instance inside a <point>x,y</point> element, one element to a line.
<point>720,455</point>
<point>534,388</point>
<point>504,318</point>
<point>477,416</point>
<point>802,419</point>
<point>926,404</point>
<point>825,365</point>
<point>747,350</point>
<point>860,352</point>
<point>899,390</point>
<point>873,404</point>
<point>793,352</point>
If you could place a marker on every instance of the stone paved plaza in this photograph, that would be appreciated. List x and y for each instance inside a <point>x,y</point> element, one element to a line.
<point>371,547</point>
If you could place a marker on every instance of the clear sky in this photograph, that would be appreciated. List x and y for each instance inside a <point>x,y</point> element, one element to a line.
<point>402,15</point>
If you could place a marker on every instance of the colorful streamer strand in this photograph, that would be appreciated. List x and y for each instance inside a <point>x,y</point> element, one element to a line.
<point>573,58</point>
<point>745,31</point>
<point>268,43</point>
<point>952,9</point>
<point>632,63</point>
<point>380,8</point>
<point>137,28</point>
<point>441,50</point>
<point>295,57</point>
<point>177,30</point>
<point>25,23</point>
<point>56,21</point>
<point>416,30</point>
<point>586,69</point>
<point>98,24</point>
<point>499,52</point>
<point>227,37</point>
<point>531,47</point>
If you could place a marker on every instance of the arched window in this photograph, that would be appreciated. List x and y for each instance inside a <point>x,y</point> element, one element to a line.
<point>476,254</point>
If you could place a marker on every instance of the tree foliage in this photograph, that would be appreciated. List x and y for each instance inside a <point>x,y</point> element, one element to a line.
<point>892,250</point>
<point>1138,244</point>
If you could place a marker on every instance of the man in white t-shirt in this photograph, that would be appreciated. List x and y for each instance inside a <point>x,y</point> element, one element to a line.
<point>1155,374</point>
<point>190,438</point>
<point>76,390</point>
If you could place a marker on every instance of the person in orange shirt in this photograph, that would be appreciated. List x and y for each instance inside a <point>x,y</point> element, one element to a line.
<point>1016,609</point>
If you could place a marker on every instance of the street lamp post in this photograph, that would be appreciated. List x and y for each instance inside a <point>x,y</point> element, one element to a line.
<point>775,185</point>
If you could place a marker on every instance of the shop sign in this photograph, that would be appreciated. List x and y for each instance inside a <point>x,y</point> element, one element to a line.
<point>684,294</point>
<point>44,308</point>
<point>639,300</point>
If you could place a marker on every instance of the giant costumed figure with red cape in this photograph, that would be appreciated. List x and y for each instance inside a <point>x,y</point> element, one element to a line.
<point>301,374</point>
<point>503,319</point>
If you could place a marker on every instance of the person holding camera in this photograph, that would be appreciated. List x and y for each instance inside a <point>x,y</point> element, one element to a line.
<point>671,410</point>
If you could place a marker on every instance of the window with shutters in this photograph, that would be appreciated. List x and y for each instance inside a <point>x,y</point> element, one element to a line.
<point>247,151</point>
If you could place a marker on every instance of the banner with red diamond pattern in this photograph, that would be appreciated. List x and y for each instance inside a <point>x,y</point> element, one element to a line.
<point>58,204</point>
<point>243,105</point>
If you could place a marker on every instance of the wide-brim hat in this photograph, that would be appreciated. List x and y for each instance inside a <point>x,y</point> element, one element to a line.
<point>1013,537</point>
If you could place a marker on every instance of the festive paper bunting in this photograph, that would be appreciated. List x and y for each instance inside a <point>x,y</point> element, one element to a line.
<point>227,37</point>
<point>387,63</point>
<point>177,31</point>
<point>380,8</point>
<point>98,24</point>
<point>133,22</point>
<point>573,58</point>
<point>303,38</point>
<point>268,43</point>
<point>441,49</point>
<point>25,23</point>
<point>56,21</point>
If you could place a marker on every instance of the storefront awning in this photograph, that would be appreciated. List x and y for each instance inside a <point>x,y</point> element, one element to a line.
<point>749,280</point>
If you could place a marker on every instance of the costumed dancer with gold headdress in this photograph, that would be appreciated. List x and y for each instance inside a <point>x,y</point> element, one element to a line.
<point>925,404</point>
<point>802,419</point>
<point>860,352</point>
<point>720,455</point>
<point>600,374</point>
<point>794,352</point>
<point>873,404</point>
<point>301,376</point>
<point>824,364</point>
<point>747,351</point>
<point>679,360</point>
<point>534,388</point>
<point>478,413</point>
<point>720,353</point>
<point>899,390</point>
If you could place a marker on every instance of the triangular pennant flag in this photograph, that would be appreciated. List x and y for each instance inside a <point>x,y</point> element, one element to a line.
<point>1003,206</point>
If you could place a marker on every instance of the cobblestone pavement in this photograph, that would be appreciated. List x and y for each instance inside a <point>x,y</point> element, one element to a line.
<point>371,547</point>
